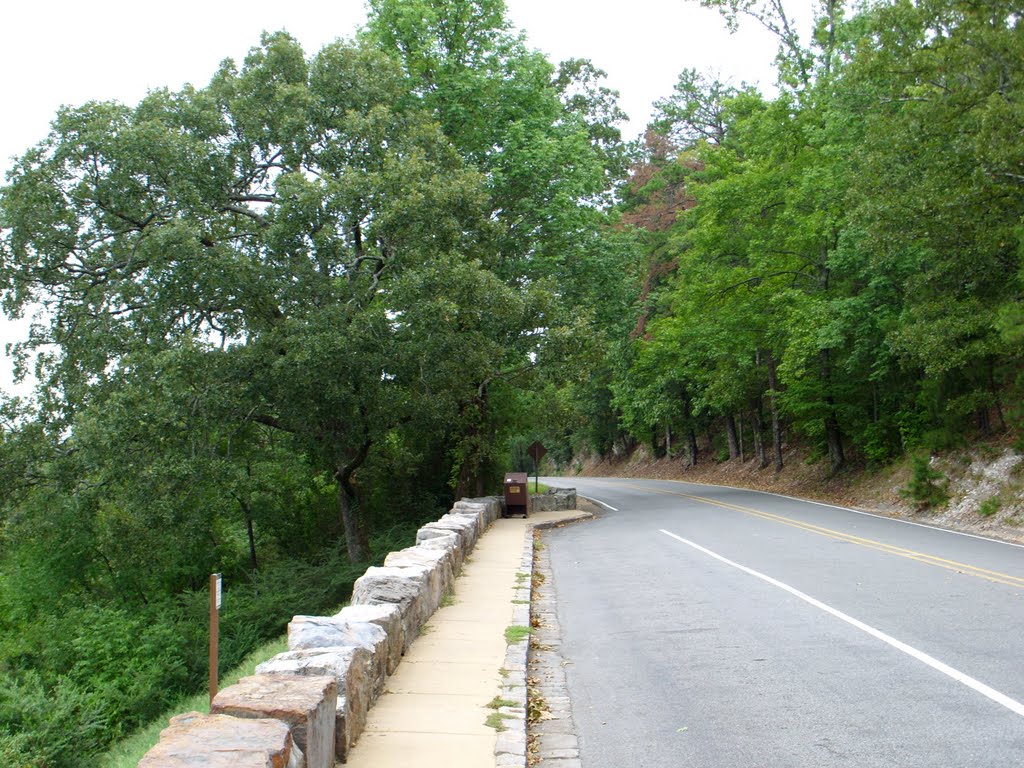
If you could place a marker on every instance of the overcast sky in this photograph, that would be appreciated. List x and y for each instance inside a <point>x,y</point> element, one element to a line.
<point>62,52</point>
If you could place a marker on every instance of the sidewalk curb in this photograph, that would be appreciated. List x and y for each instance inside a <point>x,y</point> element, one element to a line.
<point>510,748</point>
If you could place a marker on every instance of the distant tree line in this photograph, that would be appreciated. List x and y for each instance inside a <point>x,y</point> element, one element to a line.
<point>838,266</point>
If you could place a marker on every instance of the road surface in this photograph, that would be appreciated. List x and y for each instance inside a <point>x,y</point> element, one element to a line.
<point>724,628</point>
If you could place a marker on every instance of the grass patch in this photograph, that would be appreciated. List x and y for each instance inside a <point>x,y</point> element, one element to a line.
<point>497,703</point>
<point>990,506</point>
<point>448,598</point>
<point>515,633</point>
<point>496,720</point>
<point>520,602</point>
<point>128,752</point>
<point>521,577</point>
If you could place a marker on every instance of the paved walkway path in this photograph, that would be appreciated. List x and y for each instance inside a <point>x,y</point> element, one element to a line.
<point>433,710</point>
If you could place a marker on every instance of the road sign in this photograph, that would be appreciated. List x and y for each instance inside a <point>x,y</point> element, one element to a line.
<point>537,451</point>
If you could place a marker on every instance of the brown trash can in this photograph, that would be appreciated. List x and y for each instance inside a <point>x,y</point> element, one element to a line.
<point>517,498</point>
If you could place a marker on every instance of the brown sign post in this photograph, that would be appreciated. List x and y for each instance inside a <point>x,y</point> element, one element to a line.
<point>537,451</point>
<point>215,587</point>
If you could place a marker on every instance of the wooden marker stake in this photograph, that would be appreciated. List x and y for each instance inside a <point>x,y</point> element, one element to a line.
<point>215,583</point>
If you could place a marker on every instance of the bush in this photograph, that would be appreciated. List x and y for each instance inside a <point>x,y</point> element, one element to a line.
<point>927,486</point>
<point>990,506</point>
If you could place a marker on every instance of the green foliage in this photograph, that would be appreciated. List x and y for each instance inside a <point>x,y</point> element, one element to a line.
<point>990,506</point>
<point>842,259</point>
<point>925,487</point>
<point>516,633</point>
<point>128,752</point>
<point>292,312</point>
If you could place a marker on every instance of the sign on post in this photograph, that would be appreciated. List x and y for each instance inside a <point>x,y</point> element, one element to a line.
<point>215,594</point>
<point>537,451</point>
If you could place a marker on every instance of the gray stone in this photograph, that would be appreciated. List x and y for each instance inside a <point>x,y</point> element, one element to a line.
<point>347,665</point>
<point>388,617</point>
<point>556,499</point>
<point>440,576</point>
<point>307,632</point>
<point>436,538</point>
<point>460,526</point>
<point>492,505</point>
<point>306,704</point>
<point>194,740</point>
<point>430,557</point>
<point>470,524</point>
<point>405,587</point>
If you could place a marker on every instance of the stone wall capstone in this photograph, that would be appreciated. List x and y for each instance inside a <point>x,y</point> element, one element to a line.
<point>346,657</point>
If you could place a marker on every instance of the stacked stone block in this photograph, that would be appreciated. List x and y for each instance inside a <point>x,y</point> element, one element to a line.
<point>319,691</point>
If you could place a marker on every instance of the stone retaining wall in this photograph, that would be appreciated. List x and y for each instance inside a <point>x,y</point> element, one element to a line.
<point>334,664</point>
<point>555,500</point>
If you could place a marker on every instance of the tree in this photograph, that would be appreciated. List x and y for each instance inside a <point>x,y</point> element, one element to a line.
<point>547,145</point>
<point>264,215</point>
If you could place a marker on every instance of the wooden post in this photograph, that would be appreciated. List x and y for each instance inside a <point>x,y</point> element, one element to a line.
<point>215,586</point>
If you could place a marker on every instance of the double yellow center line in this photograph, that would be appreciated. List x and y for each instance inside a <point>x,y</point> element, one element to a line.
<point>910,554</point>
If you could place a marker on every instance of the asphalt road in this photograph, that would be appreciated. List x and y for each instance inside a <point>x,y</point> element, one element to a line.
<point>724,628</point>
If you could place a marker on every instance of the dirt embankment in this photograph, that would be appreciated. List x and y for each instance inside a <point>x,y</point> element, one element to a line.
<point>985,484</point>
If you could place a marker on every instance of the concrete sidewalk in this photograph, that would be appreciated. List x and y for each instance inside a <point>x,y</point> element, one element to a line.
<point>433,710</point>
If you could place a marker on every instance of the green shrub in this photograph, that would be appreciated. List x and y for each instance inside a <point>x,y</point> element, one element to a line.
<point>990,506</point>
<point>927,486</point>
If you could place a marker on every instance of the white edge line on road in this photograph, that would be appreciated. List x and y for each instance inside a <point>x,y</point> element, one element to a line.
<point>598,501</point>
<point>847,509</point>
<point>999,698</point>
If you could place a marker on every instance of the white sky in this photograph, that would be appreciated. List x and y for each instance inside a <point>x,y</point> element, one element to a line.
<point>58,52</point>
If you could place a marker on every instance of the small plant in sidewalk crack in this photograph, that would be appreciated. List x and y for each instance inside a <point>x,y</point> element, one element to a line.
<point>496,720</point>
<point>515,633</point>
<point>447,599</point>
<point>497,703</point>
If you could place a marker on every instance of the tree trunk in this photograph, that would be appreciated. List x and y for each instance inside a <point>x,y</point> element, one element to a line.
<point>356,540</point>
<point>471,478</point>
<point>252,537</point>
<point>247,512</point>
<point>743,453</point>
<point>984,423</point>
<point>668,441</point>
<point>355,536</point>
<point>757,426</point>
<point>692,440</point>
<point>833,434</point>
<point>773,390</point>
<point>995,396</point>
<point>730,433</point>
<point>469,473</point>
